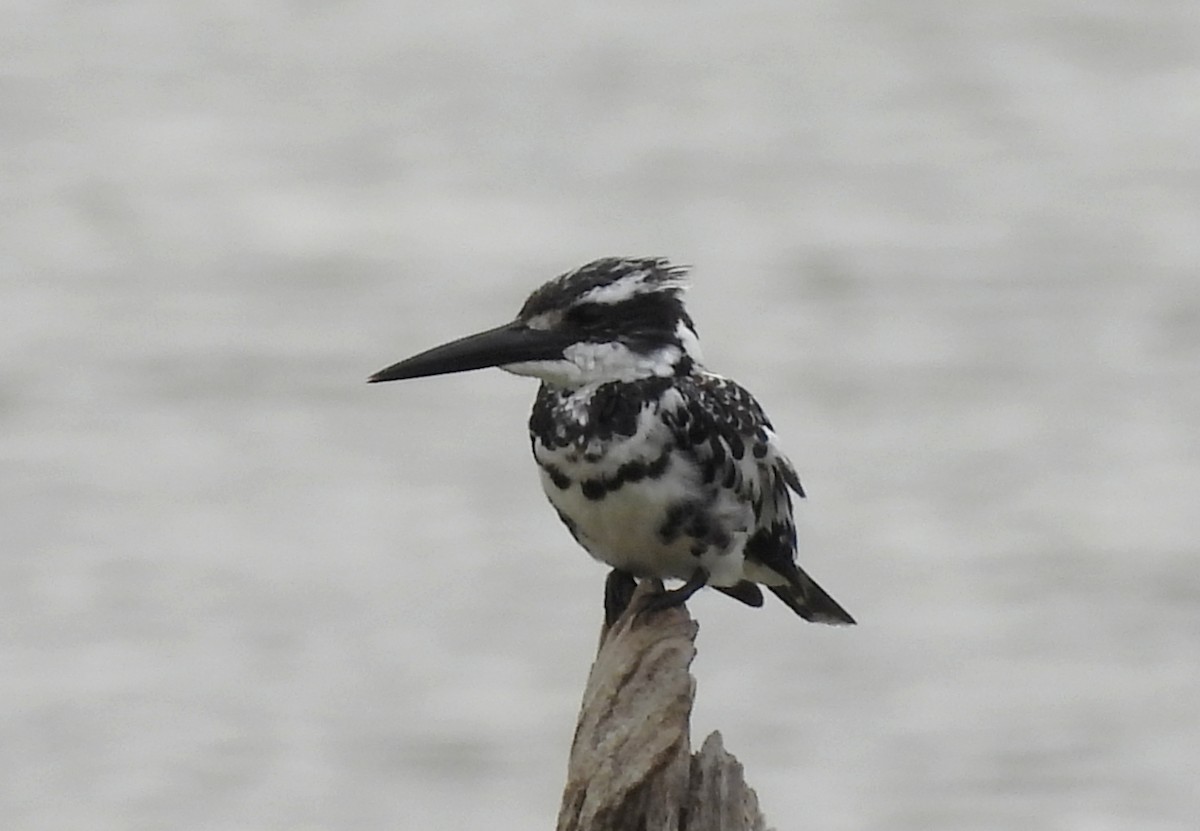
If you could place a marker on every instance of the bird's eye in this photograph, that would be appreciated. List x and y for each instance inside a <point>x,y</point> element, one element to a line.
<point>589,314</point>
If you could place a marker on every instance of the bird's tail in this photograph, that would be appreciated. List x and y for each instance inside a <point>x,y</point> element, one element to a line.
<point>811,602</point>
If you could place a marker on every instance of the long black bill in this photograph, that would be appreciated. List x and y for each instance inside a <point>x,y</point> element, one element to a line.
<point>512,343</point>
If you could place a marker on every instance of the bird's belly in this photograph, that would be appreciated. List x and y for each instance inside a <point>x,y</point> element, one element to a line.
<point>623,528</point>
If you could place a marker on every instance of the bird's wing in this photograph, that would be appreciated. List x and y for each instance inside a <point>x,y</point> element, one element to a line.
<point>730,439</point>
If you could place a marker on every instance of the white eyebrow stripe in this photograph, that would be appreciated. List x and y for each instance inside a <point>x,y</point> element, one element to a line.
<point>631,285</point>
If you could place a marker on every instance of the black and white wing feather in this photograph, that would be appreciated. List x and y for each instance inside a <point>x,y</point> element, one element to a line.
<point>731,441</point>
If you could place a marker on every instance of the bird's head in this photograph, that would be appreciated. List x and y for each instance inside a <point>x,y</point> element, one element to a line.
<point>610,320</point>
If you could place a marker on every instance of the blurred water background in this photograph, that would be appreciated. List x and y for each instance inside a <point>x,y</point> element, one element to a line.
<point>953,247</point>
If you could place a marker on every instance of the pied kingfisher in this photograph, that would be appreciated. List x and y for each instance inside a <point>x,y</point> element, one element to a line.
<point>657,467</point>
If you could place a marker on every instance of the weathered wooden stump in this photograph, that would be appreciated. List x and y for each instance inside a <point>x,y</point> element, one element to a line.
<point>631,764</point>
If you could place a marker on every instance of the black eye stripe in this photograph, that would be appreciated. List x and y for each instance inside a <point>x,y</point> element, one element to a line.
<point>587,314</point>
<point>645,320</point>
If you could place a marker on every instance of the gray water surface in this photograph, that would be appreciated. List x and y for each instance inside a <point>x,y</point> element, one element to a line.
<point>954,248</point>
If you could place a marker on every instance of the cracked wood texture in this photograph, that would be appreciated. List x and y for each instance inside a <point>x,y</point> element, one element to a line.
<point>631,765</point>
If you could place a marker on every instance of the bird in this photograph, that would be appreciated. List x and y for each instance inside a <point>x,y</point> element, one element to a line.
<point>657,467</point>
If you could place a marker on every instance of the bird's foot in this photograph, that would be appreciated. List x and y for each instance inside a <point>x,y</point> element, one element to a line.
<point>618,592</point>
<point>670,598</point>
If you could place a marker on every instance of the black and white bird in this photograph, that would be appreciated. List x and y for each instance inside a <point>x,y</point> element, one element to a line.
<point>657,467</point>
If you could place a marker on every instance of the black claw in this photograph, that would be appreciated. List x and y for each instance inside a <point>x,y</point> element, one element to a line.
<point>669,599</point>
<point>618,591</point>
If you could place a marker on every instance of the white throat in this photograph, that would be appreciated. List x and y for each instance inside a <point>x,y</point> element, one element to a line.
<point>600,363</point>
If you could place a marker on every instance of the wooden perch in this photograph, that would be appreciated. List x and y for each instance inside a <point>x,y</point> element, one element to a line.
<point>631,764</point>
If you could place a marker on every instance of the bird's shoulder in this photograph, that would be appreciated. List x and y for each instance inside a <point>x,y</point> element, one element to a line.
<point>725,428</point>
